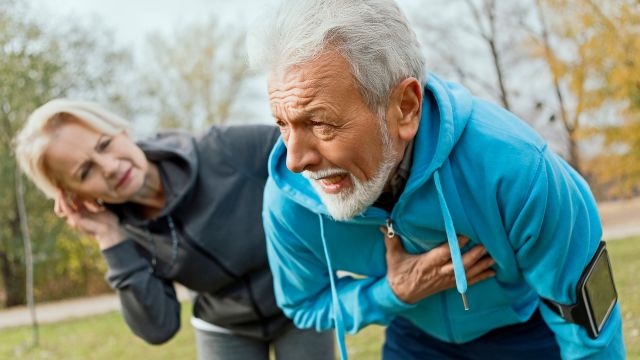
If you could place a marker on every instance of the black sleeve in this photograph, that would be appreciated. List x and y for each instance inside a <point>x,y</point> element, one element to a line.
<point>149,304</point>
<point>245,147</point>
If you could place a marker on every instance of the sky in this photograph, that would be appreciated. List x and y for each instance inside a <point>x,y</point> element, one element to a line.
<point>133,21</point>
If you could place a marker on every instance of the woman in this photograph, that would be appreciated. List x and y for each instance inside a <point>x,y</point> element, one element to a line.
<point>172,208</point>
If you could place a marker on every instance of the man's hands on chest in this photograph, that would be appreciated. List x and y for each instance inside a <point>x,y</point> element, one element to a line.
<point>414,277</point>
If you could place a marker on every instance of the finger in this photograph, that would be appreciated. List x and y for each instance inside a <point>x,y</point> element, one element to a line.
<point>443,252</point>
<point>472,256</point>
<point>483,264</point>
<point>64,206</point>
<point>92,206</point>
<point>487,274</point>
<point>447,268</point>
<point>56,206</point>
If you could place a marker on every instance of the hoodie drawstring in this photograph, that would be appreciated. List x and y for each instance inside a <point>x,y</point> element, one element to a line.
<point>452,238</point>
<point>337,310</point>
<point>456,258</point>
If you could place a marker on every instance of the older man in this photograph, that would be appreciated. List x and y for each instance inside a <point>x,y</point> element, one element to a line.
<point>371,142</point>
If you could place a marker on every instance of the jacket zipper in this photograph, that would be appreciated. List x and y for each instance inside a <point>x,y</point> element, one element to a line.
<point>390,231</point>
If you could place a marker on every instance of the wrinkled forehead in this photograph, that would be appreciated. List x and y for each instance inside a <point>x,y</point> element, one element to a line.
<point>324,80</point>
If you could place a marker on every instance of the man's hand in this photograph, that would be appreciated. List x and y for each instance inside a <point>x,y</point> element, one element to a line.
<point>414,277</point>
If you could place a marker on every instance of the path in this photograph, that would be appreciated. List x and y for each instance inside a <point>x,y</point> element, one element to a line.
<point>620,219</point>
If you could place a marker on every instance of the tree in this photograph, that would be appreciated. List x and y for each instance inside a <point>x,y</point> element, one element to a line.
<point>38,63</point>
<point>591,48</point>
<point>195,77</point>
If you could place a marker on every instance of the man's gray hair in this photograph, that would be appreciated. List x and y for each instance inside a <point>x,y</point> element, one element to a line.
<point>372,35</point>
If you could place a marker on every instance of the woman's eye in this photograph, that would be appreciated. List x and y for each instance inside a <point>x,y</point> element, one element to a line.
<point>104,144</point>
<point>84,173</point>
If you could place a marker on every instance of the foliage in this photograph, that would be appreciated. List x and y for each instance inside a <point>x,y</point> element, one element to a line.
<point>39,62</point>
<point>107,337</point>
<point>195,77</point>
<point>593,55</point>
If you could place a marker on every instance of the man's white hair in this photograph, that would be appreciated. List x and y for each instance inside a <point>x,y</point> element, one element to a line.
<point>372,35</point>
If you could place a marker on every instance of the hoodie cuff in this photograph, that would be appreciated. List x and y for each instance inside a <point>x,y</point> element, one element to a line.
<point>123,259</point>
<point>384,297</point>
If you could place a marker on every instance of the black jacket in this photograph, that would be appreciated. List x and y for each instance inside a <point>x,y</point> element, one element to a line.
<point>213,187</point>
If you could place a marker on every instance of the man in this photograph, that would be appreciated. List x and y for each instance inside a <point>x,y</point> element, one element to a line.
<point>371,142</point>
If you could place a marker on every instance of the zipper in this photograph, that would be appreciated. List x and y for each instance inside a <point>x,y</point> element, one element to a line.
<point>390,231</point>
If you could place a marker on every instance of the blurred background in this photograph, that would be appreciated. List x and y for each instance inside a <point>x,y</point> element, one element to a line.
<point>570,68</point>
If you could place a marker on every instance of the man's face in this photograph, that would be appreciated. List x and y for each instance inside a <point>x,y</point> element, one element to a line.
<point>331,136</point>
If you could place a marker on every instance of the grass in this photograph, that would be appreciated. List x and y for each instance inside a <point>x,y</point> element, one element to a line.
<point>107,337</point>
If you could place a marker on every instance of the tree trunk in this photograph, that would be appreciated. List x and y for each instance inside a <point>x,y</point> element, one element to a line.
<point>28,254</point>
<point>574,152</point>
<point>13,281</point>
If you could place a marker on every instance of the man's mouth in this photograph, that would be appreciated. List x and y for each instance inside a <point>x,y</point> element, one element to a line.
<point>334,184</point>
<point>125,178</point>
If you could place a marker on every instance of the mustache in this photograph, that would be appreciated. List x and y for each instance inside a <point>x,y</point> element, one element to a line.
<point>317,175</point>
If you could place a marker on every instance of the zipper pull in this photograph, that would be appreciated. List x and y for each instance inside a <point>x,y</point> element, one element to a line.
<point>390,232</point>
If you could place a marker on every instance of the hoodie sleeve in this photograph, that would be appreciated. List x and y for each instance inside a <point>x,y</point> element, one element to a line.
<point>149,304</point>
<point>555,231</point>
<point>301,280</point>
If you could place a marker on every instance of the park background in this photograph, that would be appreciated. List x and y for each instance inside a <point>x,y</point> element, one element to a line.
<point>570,68</point>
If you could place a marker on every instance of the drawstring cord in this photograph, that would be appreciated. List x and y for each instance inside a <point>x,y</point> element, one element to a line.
<point>456,257</point>
<point>337,311</point>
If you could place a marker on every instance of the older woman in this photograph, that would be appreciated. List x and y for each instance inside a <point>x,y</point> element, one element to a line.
<point>172,208</point>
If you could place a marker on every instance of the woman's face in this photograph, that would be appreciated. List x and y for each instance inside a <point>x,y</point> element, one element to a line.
<point>94,166</point>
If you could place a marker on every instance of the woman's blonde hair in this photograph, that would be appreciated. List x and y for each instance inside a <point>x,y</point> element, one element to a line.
<point>33,140</point>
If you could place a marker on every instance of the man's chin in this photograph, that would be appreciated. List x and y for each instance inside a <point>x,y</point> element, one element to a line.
<point>342,209</point>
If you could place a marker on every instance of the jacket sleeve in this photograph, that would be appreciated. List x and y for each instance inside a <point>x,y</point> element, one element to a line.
<point>245,147</point>
<point>555,231</point>
<point>149,304</point>
<point>301,279</point>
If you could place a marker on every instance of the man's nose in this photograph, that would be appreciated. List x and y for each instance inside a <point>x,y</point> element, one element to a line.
<point>301,151</point>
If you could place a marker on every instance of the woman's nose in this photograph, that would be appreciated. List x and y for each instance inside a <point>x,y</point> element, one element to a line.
<point>108,165</point>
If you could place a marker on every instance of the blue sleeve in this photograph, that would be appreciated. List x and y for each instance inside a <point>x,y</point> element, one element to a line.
<point>555,231</point>
<point>301,279</point>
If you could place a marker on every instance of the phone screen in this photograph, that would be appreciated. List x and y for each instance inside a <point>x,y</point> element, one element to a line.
<point>601,289</point>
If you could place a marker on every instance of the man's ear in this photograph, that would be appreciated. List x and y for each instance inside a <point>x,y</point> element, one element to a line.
<point>406,100</point>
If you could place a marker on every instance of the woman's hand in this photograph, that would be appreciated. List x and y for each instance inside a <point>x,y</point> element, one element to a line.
<point>89,218</point>
<point>414,277</point>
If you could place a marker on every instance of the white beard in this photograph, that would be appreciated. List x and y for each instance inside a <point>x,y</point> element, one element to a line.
<point>351,202</point>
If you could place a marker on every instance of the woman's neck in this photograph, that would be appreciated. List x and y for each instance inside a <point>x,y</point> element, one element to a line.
<point>151,195</point>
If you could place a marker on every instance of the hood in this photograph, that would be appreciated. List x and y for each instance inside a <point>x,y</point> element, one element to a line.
<point>174,152</point>
<point>446,109</point>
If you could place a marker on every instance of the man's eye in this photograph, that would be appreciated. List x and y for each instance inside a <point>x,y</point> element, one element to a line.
<point>323,128</point>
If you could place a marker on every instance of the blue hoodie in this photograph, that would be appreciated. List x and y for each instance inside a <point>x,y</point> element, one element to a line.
<point>477,171</point>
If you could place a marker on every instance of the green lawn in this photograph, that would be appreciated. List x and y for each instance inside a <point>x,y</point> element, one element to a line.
<point>107,337</point>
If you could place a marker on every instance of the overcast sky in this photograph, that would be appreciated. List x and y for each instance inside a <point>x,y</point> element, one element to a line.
<point>133,20</point>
